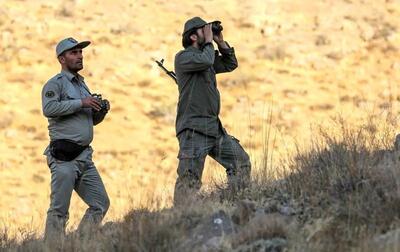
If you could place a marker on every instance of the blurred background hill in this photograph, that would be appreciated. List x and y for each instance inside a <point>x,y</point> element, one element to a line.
<point>300,64</point>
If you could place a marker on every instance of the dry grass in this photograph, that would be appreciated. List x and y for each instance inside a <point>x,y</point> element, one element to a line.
<point>341,194</point>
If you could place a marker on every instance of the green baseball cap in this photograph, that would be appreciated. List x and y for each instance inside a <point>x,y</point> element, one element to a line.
<point>193,23</point>
<point>69,43</point>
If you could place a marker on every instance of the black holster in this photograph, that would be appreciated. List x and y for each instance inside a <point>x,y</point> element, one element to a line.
<point>65,150</point>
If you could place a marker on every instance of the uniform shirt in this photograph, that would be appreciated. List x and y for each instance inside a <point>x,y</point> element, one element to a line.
<point>62,105</point>
<point>199,99</point>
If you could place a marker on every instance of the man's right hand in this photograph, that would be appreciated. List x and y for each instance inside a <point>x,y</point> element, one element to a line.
<point>207,32</point>
<point>91,102</point>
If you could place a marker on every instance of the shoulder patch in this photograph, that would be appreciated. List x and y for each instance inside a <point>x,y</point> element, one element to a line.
<point>49,94</point>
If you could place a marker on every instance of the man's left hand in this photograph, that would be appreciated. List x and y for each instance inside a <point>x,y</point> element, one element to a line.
<point>219,39</point>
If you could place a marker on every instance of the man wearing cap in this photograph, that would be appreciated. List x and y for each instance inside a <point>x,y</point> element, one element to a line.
<point>71,112</point>
<point>198,127</point>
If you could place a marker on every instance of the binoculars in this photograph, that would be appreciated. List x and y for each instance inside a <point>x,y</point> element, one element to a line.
<point>103,103</point>
<point>216,27</point>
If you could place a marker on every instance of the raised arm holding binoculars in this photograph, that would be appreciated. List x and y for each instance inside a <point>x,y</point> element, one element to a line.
<point>198,127</point>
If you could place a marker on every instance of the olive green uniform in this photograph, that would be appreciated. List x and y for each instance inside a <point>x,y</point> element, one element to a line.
<point>198,127</point>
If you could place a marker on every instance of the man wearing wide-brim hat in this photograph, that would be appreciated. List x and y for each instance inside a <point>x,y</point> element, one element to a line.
<point>71,112</point>
<point>198,127</point>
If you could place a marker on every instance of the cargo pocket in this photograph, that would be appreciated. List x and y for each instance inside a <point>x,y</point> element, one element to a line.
<point>236,140</point>
<point>187,148</point>
<point>188,153</point>
<point>238,147</point>
<point>240,152</point>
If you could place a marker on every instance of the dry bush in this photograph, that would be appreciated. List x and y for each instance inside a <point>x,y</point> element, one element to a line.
<point>337,195</point>
<point>349,178</point>
<point>5,240</point>
<point>350,166</point>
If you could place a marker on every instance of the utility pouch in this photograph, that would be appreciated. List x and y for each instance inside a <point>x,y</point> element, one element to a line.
<point>65,150</point>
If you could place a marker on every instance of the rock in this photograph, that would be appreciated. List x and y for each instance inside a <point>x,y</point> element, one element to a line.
<point>209,235</point>
<point>220,224</point>
<point>270,245</point>
<point>261,227</point>
<point>287,210</point>
<point>387,241</point>
<point>213,244</point>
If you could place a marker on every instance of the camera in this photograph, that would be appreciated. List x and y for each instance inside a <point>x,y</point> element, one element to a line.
<point>216,27</point>
<point>103,103</point>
